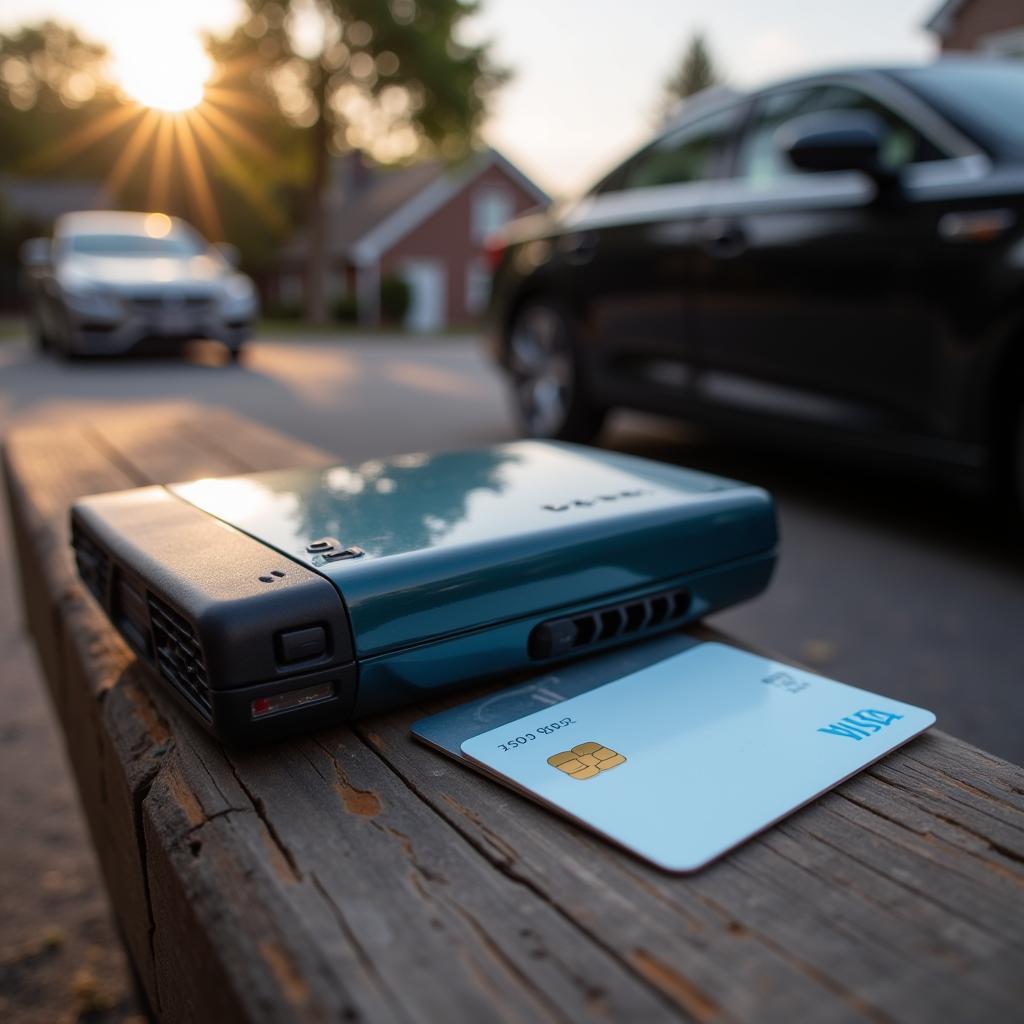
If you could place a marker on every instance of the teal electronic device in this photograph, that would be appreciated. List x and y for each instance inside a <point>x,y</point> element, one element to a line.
<point>280,602</point>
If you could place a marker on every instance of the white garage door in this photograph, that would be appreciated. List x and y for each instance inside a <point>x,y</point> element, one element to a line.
<point>428,299</point>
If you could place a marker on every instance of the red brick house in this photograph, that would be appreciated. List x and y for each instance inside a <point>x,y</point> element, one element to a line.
<point>987,26</point>
<point>425,223</point>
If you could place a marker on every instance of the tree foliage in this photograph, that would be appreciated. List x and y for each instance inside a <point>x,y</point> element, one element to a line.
<point>389,77</point>
<point>696,71</point>
<point>51,82</point>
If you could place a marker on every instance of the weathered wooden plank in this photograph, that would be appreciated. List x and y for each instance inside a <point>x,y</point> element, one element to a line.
<point>357,874</point>
<point>83,663</point>
<point>240,933</point>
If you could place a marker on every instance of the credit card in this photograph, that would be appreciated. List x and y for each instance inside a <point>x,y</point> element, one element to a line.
<point>684,759</point>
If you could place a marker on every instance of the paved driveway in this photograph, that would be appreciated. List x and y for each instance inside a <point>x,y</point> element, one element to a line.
<point>901,586</point>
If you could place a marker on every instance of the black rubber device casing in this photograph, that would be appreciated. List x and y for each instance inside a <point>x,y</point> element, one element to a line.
<point>206,606</point>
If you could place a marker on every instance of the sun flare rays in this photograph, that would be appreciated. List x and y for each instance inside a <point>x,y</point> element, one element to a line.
<point>168,150</point>
<point>196,174</point>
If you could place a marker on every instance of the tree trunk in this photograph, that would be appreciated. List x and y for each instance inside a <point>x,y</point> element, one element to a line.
<point>316,231</point>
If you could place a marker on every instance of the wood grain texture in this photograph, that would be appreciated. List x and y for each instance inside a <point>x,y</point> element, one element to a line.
<point>355,875</point>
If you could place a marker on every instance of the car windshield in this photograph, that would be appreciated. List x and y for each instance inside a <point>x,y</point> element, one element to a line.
<point>180,244</point>
<point>986,99</point>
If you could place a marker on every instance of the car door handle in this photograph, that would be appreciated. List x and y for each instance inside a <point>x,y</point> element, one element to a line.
<point>723,239</point>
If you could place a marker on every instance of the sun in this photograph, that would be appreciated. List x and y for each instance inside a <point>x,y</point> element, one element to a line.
<point>165,74</point>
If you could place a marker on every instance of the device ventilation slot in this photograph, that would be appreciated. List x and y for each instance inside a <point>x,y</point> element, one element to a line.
<point>613,622</point>
<point>93,566</point>
<point>179,658</point>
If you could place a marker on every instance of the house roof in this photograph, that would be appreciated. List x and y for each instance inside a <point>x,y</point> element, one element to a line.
<point>942,20</point>
<point>369,211</point>
<point>353,217</point>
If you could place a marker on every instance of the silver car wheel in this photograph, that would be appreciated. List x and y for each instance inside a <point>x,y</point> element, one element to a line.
<point>541,362</point>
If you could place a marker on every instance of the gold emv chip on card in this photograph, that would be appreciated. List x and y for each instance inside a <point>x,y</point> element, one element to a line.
<point>586,760</point>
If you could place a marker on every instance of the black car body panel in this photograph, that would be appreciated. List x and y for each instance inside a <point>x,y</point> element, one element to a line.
<point>885,310</point>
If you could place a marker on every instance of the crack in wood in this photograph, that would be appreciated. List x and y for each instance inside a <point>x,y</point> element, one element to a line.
<point>499,955</point>
<point>698,1004</point>
<point>362,802</point>
<point>939,797</point>
<point>982,794</point>
<point>261,813</point>
<point>930,836</point>
<point>916,891</point>
<point>502,849</point>
<point>138,806</point>
<point>362,955</point>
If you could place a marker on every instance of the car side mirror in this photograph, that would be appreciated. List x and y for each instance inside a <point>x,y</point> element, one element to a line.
<point>35,253</point>
<point>229,252</point>
<point>839,140</point>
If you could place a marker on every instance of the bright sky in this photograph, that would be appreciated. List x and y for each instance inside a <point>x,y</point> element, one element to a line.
<point>588,73</point>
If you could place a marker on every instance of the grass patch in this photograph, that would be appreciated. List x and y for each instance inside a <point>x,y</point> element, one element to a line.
<point>12,327</point>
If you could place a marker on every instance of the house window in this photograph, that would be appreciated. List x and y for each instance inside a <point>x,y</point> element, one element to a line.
<point>492,207</point>
<point>1008,43</point>
<point>478,286</point>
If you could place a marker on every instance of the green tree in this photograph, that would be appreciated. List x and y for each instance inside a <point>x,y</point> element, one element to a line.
<point>696,71</point>
<point>51,83</point>
<point>389,77</point>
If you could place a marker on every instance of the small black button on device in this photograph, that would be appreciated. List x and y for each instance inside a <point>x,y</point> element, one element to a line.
<point>302,644</point>
<point>550,639</point>
<point>318,547</point>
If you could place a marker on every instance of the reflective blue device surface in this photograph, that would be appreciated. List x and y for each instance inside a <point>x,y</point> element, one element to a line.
<point>461,555</point>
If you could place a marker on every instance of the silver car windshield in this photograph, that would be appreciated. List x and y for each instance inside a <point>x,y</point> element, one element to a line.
<point>135,245</point>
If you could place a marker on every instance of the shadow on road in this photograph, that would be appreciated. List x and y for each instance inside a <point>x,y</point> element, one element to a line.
<point>887,497</point>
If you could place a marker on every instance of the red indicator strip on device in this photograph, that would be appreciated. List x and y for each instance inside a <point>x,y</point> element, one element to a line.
<point>263,706</point>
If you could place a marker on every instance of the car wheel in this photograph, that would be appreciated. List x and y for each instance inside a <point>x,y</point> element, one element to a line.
<point>548,387</point>
<point>40,338</point>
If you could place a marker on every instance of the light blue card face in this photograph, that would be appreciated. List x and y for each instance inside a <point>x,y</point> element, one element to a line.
<point>684,759</point>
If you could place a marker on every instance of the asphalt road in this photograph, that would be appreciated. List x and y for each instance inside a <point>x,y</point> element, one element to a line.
<point>901,587</point>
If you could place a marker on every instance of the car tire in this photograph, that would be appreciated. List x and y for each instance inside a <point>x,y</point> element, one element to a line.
<point>549,392</point>
<point>40,338</point>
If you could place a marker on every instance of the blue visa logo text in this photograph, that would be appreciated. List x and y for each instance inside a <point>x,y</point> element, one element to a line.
<point>861,724</point>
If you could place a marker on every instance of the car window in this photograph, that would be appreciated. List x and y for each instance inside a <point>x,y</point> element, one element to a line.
<point>984,98</point>
<point>760,159</point>
<point>690,153</point>
<point>178,244</point>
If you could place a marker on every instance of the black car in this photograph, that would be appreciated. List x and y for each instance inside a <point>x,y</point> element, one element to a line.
<point>839,257</point>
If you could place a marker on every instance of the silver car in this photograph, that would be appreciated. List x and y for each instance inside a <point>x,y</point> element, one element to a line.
<point>110,282</point>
